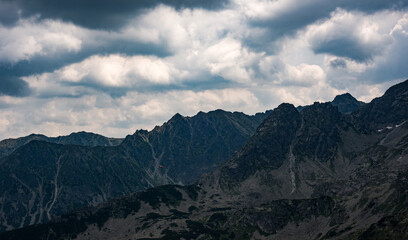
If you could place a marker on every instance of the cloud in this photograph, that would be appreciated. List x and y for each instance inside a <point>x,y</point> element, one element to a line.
<point>33,46</point>
<point>349,35</point>
<point>31,38</point>
<point>302,75</point>
<point>8,13</point>
<point>385,67</point>
<point>229,59</point>
<point>96,14</point>
<point>371,6</point>
<point>338,63</point>
<point>269,21</point>
<point>114,73</point>
<point>13,86</point>
<point>120,71</point>
<point>278,73</point>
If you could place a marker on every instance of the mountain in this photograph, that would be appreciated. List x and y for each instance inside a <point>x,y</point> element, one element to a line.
<point>41,180</point>
<point>7,146</point>
<point>346,103</point>
<point>314,174</point>
<point>385,112</point>
<point>187,147</point>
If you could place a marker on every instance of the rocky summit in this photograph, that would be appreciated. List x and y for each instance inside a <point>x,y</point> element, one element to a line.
<point>347,103</point>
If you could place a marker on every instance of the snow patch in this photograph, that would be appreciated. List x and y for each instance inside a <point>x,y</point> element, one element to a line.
<point>399,125</point>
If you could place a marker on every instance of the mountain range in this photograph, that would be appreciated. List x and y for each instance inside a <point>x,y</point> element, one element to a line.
<point>317,173</point>
<point>42,177</point>
<point>8,146</point>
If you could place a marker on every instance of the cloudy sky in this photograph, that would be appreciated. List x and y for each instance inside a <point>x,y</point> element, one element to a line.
<point>112,67</point>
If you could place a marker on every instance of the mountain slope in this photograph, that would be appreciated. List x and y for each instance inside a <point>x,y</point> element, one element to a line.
<point>316,174</point>
<point>41,180</point>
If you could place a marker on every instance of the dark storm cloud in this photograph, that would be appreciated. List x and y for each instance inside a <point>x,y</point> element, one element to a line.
<point>100,14</point>
<point>345,47</point>
<point>13,86</point>
<point>204,82</point>
<point>8,13</point>
<point>370,6</point>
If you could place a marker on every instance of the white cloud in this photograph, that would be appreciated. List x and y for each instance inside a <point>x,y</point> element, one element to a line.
<point>30,37</point>
<point>348,34</point>
<point>386,65</point>
<point>401,26</point>
<point>230,60</point>
<point>111,71</point>
<point>120,71</point>
<point>302,75</point>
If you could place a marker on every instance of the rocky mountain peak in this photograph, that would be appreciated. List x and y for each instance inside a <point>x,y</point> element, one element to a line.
<point>346,103</point>
<point>176,117</point>
<point>344,97</point>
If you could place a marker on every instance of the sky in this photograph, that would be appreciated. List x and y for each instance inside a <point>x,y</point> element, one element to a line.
<point>112,67</point>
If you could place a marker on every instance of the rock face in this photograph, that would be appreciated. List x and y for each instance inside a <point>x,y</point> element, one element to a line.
<point>317,174</point>
<point>41,180</point>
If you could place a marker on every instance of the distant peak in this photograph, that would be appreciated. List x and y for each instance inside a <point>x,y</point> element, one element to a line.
<point>36,135</point>
<point>177,115</point>
<point>346,103</point>
<point>143,131</point>
<point>285,107</point>
<point>343,96</point>
<point>82,133</point>
<point>283,110</point>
